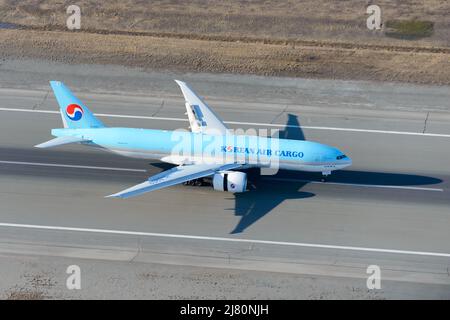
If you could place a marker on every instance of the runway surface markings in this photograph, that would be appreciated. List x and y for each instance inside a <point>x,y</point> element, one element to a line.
<point>244,123</point>
<point>241,240</point>
<point>358,185</point>
<point>69,166</point>
<point>24,163</point>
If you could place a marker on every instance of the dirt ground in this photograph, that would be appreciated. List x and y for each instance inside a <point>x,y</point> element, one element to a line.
<point>310,39</point>
<point>188,55</point>
<point>343,20</point>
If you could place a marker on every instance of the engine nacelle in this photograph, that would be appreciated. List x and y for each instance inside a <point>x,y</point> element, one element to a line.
<point>230,181</point>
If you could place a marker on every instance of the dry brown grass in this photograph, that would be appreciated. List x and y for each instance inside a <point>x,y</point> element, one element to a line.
<point>236,57</point>
<point>309,38</point>
<point>335,20</point>
<point>25,295</point>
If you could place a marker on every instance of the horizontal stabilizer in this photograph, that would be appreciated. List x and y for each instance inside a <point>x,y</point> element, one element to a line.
<point>60,141</point>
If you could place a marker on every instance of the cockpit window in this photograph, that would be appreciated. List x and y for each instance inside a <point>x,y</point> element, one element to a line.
<point>342,156</point>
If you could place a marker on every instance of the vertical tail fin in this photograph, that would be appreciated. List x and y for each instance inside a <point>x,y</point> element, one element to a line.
<point>74,113</point>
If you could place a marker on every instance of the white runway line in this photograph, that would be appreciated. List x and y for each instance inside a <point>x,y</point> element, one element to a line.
<point>69,166</point>
<point>192,237</point>
<point>274,179</point>
<point>343,129</point>
<point>359,185</point>
<point>28,110</point>
<point>109,115</point>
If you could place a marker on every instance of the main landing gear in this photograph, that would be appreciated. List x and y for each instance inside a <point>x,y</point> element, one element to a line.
<point>325,174</point>
<point>196,182</point>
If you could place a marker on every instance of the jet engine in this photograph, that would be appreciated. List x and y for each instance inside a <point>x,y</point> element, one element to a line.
<point>230,181</point>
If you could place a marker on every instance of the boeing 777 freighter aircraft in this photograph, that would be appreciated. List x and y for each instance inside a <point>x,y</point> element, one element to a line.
<point>209,150</point>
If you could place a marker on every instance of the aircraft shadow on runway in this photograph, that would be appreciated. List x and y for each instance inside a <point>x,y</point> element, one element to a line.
<point>292,129</point>
<point>257,202</point>
<point>265,195</point>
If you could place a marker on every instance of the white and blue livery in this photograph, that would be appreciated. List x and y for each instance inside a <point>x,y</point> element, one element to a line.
<point>209,149</point>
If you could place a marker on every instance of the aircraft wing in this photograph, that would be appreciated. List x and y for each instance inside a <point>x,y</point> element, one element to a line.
<point>174,176</point>
<point>201,118</point>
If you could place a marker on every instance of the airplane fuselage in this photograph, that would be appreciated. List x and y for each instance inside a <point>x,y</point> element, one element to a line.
<point>183,147</point>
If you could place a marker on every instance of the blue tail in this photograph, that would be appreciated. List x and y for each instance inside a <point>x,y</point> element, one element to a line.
<point>74,113</point>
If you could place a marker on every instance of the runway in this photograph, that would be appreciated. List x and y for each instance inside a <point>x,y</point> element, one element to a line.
<point>391,208</point>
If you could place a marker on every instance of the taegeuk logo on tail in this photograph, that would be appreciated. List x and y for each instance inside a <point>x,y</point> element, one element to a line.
<point>74,112</point>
